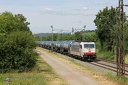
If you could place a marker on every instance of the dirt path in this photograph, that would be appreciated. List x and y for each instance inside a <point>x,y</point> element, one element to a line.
<point>71,75</point>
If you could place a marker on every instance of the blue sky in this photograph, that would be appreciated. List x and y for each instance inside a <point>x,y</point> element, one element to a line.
<point>61,14</point>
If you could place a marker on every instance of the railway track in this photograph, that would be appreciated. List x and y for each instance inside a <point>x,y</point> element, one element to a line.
<point>109,61</point>
<point>108,64</point>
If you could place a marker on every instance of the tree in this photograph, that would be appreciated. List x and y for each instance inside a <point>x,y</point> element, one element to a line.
<point>21,23</point>
<point>17,52</point>
<point>16,43</point>
<point>105,21</point>
<point>90,36</point>
<point>78,36</point>
<point>126,36</point>
<point>10,23</point>
<point>55,37</point>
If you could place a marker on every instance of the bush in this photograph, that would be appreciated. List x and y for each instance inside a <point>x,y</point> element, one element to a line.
<point>17,52</point>
<point>109,55</point>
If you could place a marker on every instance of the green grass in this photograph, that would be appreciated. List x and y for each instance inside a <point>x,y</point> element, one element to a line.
<point>126,59</point>
<point>23,79</point>
<point>105,54</point>
<point>42,74</point>
<point>119,79</point>
<point>109,55</point>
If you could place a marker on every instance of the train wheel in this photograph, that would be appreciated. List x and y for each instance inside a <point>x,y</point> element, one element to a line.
<point>82,58</point>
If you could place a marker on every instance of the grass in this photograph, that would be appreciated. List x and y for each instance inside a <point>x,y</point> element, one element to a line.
<point>23,79</point>
<point>105,54</point>
<point>126,59</point>
<point>119,79</point>
<point>42,74</point>
<point>109,55</point>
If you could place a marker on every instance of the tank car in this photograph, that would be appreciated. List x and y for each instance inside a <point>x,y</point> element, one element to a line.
<point>65,46</point>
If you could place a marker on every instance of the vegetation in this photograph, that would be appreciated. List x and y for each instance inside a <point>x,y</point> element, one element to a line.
<point>16,44</point>
<point>87,35</point>
<point>105,21</point>
<point>126,36</point>
<point>41,74</point>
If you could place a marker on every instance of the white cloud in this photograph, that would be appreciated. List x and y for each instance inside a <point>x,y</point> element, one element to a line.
<point>81,9</point>
<point>103,3</point>
<point>78,11</point>
<point>48,9</point>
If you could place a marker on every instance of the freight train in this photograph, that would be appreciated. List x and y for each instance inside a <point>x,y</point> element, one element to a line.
<point>80,49</point>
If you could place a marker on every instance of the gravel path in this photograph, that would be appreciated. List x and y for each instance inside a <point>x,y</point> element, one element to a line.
<point>73,76</point>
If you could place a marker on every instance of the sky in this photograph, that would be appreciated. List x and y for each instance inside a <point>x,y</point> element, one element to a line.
<point>61,14</point>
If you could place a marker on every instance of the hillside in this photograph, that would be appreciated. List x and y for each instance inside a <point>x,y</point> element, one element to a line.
<point>47,34</point>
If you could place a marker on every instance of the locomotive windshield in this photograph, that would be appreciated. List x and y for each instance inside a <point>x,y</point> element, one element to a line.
<point>88,45</point>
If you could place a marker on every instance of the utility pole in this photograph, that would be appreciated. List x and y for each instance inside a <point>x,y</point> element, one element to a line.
<point>120,55</point>
<point>52,38</point>
<point>84,27</point>
<point>80,32</point>
<point>61,35</point>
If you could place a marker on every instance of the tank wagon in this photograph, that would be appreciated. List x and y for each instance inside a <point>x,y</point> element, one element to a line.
<point>82,50</point>
<point>65,46</point>
<point>40,43</point>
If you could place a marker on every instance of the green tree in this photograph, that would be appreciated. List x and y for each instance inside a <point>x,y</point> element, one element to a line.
<point>126,36</point>
<point>17,52</point>
<point>55,37</point>
<point>10,23</point>
<point>16,43</point>
<point>21,24</point>
<point>72,37</point>
<point>105,21</point>
<point>78,36</point>
<point>90,36</point>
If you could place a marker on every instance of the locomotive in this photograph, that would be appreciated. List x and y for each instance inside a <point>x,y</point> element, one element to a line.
<point>82,50</point>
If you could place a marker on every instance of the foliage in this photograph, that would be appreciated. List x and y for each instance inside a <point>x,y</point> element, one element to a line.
<point>37,38</point>
<point>90,36</point>
<point>17,52</point>
<point>105,21</point>
<point>108,55</point>
<point>126,36</point>
<point>122,80</point>
<point>16,43</point>
<point>10,23</point>
<point>78,36</point>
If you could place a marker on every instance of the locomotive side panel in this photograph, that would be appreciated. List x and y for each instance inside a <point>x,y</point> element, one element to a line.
<point>75,49</point>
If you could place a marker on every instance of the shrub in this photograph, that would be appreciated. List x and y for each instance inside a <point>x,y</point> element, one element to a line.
<point>17,52</point>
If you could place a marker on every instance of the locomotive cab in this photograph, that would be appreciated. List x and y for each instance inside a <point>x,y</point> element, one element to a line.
<point>88,50</point>
<point>83,50</point>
